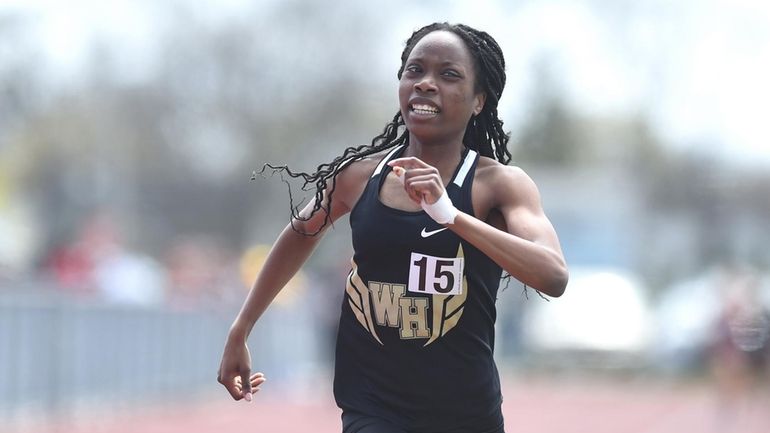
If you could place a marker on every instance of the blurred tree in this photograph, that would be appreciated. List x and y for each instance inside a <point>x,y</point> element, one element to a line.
<point>173,153</point>
<point>689,211</point>
<point>552,135</point>
<point>21,63</point>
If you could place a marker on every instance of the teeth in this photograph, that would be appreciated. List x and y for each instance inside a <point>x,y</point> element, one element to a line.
<point>424,109</point>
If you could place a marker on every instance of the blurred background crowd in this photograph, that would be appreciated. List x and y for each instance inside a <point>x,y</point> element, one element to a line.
<point>131,225</point>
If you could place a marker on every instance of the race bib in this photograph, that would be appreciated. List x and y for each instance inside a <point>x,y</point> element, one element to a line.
<point>436,275</point>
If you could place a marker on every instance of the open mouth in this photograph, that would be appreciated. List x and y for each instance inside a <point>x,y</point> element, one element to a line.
<point>424,109</point>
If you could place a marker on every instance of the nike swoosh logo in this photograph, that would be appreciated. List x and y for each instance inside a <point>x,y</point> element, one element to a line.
<point>426,233</point>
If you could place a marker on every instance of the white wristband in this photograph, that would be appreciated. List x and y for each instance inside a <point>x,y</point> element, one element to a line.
<point>442,211</point>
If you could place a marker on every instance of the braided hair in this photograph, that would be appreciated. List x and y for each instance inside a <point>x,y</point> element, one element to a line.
<point>484,132</point>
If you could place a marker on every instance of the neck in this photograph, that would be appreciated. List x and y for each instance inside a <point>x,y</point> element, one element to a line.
<point>444,156</point>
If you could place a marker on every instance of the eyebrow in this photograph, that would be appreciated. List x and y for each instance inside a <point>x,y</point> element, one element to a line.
<point>443,64</point>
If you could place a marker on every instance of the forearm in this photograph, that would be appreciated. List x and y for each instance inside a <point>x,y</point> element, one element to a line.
<point>288,254</point>
<point>533,264</point>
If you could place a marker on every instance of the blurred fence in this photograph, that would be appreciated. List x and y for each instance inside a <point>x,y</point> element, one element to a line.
<point>61,356</point>
<point>58,355</point>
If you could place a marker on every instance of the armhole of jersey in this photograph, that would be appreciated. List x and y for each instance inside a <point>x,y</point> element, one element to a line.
<point>376,172</point>
<point>385,160</point>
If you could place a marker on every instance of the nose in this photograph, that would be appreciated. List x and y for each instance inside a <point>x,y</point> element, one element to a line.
<point>425,84</point>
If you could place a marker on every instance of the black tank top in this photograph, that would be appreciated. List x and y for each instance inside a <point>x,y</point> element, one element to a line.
<point>416,332</point>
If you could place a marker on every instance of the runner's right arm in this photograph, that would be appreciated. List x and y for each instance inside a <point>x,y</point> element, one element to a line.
<point>286,257</point>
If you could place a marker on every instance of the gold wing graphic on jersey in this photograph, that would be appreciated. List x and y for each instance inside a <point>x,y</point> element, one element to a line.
<point>359,300</point>
<point>448,309</point>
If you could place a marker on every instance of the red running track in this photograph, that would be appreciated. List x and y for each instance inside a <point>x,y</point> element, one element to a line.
<point>530,406</point>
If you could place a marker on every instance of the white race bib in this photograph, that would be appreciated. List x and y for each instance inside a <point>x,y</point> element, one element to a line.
<point>436,275</point>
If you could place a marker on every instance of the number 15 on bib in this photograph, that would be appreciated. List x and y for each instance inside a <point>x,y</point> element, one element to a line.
<point>436,275</point>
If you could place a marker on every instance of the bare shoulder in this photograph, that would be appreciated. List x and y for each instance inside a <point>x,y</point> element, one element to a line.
<point>353,176</point>
<point>506,184</point>
<point>362,167</point>
<point>359,170</point>
<point>496,175</point>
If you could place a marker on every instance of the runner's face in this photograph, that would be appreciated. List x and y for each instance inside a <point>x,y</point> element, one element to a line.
<point>437,91</point>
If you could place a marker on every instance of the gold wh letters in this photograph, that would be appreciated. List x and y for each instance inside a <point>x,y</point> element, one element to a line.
<point>393,309</point>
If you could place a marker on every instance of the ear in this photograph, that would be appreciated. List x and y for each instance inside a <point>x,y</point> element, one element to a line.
<point>481,98</point>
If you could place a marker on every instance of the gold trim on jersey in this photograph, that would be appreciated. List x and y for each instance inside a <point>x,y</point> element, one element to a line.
<point>359,300</point>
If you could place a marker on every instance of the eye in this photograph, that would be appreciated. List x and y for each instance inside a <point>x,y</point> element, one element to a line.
<point>451,73</point>
<point>413,68</point>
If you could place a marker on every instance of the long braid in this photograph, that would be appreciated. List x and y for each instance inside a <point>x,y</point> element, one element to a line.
<point>484,132</point>
<point>328,171</point>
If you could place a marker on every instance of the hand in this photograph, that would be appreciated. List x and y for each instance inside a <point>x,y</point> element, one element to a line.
<point>235,372</point>
<point>422,182</point>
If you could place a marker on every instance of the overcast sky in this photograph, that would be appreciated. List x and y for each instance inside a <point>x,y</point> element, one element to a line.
<point>697,68</point>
